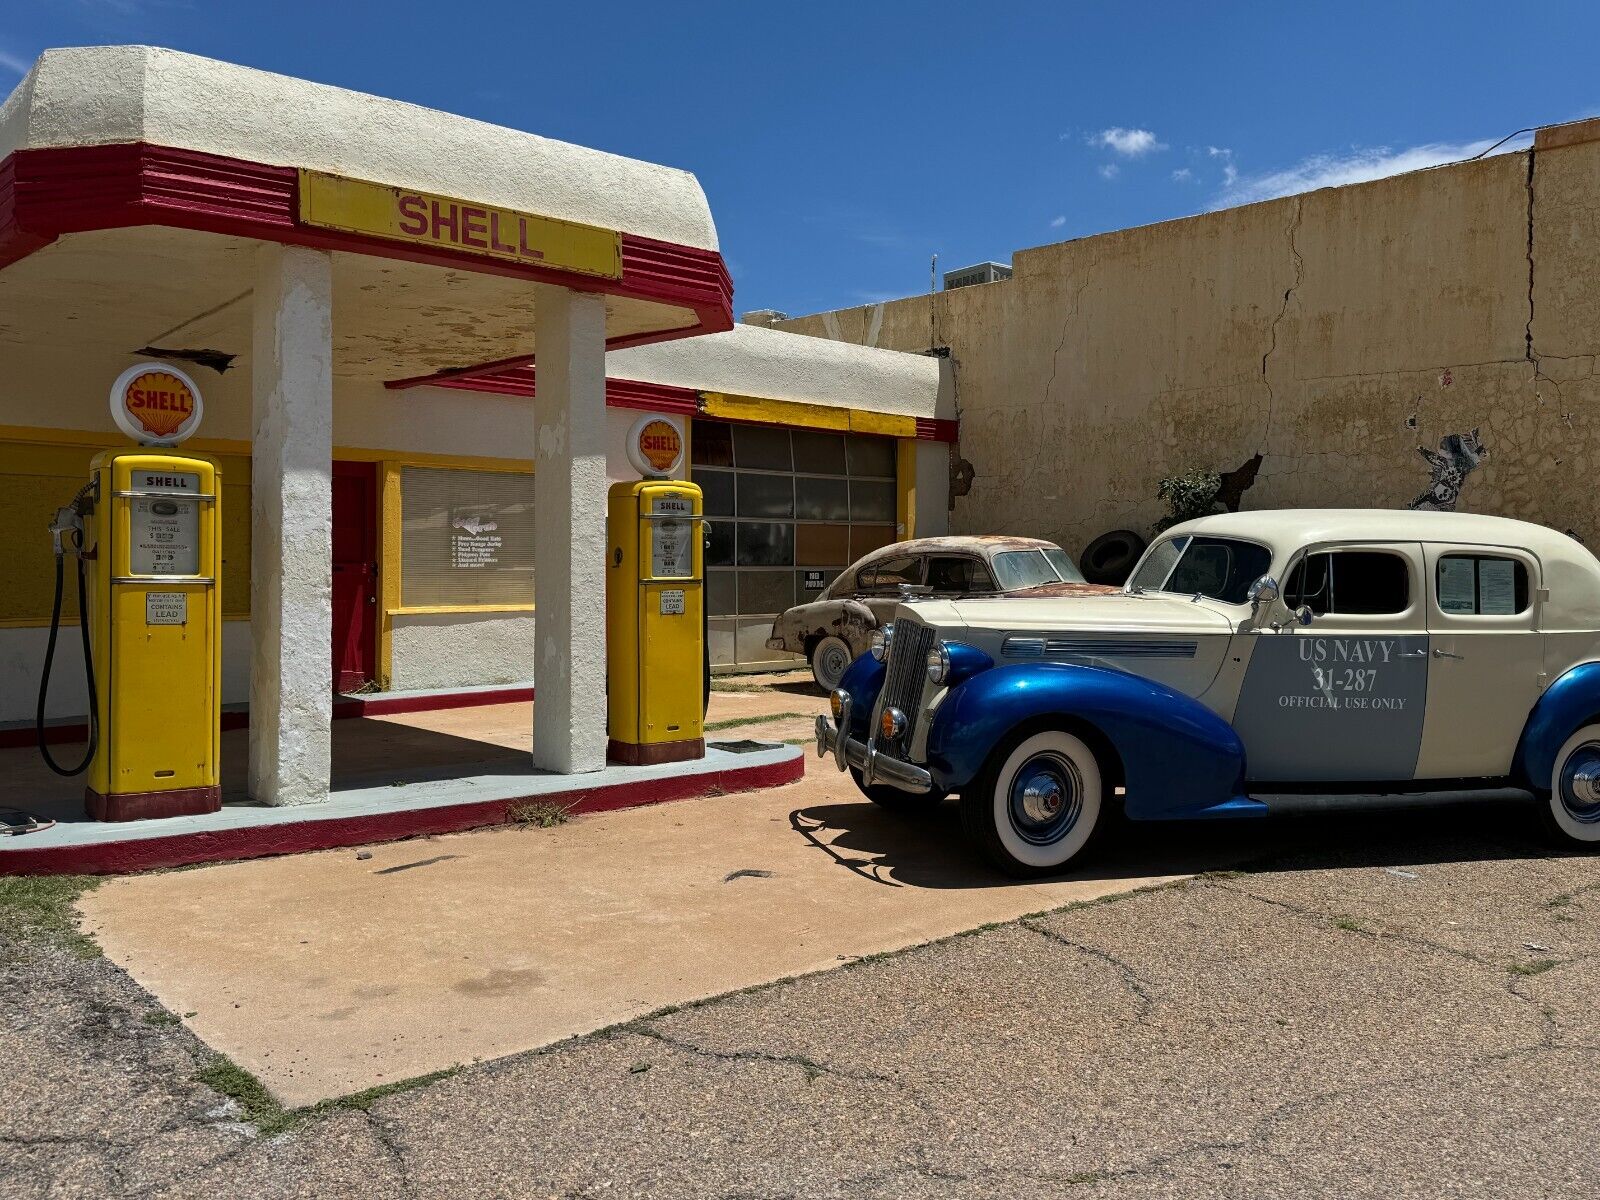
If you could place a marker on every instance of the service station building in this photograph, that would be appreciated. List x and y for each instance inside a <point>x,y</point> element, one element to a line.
<point>422,342</point>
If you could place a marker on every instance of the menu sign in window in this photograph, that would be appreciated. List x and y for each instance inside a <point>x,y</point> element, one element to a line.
<point>164,530</point>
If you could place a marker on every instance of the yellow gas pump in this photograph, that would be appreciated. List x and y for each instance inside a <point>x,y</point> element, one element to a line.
<point>147,533</point>
<point>655,634</point>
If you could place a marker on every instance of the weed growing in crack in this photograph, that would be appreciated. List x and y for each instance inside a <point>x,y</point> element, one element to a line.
<point>1537,967</point>
<point>541,814</point>
<point>1348,924</point>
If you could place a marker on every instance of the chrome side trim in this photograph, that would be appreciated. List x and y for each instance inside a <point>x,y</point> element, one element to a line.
<point>1052,645</point>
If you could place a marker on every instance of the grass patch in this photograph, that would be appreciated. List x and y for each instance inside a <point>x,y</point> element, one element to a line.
<point>1537,967</point>
<point>731,722</point>
<point>538,814</point>
<point>262,1109</point>
<point>160,1018</point>
<point>42,908</point>
<point>1348,924</point>
<point>227,1077</point>
<point>1561,901</point>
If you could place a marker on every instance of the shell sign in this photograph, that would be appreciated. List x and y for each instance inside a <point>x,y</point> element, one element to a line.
<point>156,404</point>
<point>655,446</point>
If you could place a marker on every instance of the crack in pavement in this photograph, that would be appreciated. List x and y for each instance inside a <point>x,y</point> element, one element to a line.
<point>811,1067</point>
<point>1141,987</point>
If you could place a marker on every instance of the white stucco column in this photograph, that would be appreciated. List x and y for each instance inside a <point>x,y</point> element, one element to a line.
<point>569,548</point>
<point>291,572</point>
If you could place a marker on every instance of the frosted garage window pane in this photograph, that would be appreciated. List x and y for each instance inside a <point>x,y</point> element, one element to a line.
<point>466,537</point>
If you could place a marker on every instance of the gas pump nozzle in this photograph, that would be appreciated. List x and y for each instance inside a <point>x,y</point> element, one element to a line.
<point>66,521</point>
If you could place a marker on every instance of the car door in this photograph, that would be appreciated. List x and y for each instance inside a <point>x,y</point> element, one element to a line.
<point>1341,699</point>
<point>1483,676</point>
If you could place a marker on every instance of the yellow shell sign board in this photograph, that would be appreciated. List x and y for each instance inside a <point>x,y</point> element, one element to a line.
<point>442,223</point>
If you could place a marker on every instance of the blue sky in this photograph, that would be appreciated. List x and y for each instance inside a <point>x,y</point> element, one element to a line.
<point>842,144</point>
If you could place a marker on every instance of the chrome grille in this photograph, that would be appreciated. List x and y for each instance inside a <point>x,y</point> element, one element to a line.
<point>904,674</point>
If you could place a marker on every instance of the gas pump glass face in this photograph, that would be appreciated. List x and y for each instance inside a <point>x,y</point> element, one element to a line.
<point>164,531</point>
<point>671,545</point>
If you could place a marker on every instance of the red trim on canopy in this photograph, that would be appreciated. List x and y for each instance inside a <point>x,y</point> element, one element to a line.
<point>74,189</point>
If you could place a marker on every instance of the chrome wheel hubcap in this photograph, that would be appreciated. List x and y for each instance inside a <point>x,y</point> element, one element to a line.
<point>1579,786</point>
<point>1046,799</point>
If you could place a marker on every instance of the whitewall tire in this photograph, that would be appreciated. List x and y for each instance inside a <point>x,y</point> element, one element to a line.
<point>1038,803</point>
<point>1572,809</point>
<point>830,658</point>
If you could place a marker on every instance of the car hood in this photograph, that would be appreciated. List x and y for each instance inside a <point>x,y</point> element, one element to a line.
<point>1118,611</point>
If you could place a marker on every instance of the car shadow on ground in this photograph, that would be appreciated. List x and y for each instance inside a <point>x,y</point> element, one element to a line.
<point>929,850</point>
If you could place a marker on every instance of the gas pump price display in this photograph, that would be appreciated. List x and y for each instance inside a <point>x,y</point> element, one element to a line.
<point>164,529</point>
<point>672,541</point>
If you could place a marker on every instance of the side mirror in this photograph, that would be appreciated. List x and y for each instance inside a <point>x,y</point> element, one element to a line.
<point>1303,614</point>
<point>1263,591</point>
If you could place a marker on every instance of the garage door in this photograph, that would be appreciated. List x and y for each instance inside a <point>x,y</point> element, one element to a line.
<point>788,510</point>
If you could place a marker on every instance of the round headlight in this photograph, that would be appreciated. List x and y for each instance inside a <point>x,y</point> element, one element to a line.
<point>878,645</point>
<point>836,702</point>
<point>939,664</point>
<point>891,724</point>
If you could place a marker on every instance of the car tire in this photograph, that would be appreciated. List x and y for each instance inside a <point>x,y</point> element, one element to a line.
<point>892,799</point>
<point>1038,803</point>
<point>1110,558</point>
<point>1571,807</point>
<point>830,658</point>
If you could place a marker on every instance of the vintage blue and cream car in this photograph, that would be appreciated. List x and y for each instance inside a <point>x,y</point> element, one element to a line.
<point>1249,653</point>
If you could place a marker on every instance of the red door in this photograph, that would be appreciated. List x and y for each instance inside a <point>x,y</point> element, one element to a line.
<point>355,574</point>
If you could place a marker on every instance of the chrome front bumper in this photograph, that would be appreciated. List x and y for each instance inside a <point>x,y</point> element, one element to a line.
<point>875,766</point>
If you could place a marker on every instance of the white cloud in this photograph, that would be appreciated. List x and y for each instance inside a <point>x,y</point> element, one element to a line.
<point>1130,143</point>
<point>14,63</point>
<point>1110,171</point>
<point>1357,166</point>
<point>1219,152</point>
<point>1182,175</point>
<point>1058,222</point>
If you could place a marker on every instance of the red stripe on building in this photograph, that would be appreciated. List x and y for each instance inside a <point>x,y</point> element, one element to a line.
<point>47,193</point>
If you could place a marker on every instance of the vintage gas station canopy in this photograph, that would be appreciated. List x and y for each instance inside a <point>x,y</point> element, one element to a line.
<point>135,182</point>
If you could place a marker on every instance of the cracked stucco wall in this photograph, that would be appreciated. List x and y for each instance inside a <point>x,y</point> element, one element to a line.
<point>1334,332</point>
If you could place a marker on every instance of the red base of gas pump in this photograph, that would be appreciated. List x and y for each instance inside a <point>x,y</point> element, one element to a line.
<point>632,755</point>
<point>141,806</point>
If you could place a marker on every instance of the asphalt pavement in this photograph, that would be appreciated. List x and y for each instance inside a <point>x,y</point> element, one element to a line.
<point>1381,1003</point>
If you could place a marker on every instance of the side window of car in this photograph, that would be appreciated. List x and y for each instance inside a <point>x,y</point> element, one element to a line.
<point>1481,585</point>
<point>1353,582</point>
<point>886,575</point>
<point>958,575</point>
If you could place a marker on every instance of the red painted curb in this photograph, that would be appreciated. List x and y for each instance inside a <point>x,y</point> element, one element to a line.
<point>263,841</point>
<point>378,704</point>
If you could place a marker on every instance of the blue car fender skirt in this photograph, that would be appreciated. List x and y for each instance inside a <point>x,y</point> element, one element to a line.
<point>1178,759</point>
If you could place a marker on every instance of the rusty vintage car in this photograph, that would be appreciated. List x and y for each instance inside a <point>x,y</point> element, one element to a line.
<point>833,630</point>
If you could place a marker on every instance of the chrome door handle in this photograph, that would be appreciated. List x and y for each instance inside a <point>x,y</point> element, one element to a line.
<point>1445,654</point>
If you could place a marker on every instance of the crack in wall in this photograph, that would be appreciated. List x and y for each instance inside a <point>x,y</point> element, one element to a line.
<point>1292,234</point>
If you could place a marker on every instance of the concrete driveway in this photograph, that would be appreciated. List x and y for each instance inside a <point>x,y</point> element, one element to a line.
<point>329,973</point>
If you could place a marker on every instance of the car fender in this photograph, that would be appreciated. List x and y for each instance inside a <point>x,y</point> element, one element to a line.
<point>1178,759</point>
<point>1567,705</point>
<point>805,624</point>
<point>862,681</point>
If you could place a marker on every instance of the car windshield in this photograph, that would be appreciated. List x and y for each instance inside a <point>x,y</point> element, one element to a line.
<point>1217,568</point>
<point>1018,569</point>
<point>1065,567</point>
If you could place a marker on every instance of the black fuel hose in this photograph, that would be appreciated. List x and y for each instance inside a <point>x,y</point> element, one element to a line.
<point>88,672</point>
